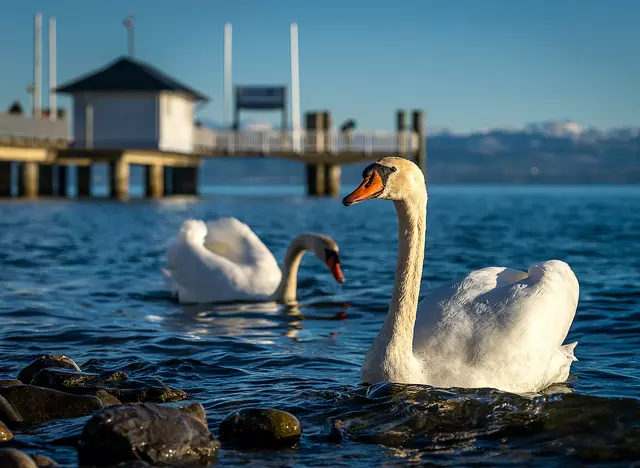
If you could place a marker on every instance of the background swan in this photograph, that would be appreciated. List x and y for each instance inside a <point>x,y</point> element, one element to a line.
<point>225,261</point>
<point>496,327</point>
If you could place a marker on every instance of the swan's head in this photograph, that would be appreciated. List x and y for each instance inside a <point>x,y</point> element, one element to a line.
<point>326,250</point>
<point>390,178</point>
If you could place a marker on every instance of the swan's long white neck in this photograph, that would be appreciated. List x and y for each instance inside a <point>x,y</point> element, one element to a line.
<point>288,287</point>
<point>390,357</point>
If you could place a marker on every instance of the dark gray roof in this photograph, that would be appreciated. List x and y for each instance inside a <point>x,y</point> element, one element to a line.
<point>128,74</point>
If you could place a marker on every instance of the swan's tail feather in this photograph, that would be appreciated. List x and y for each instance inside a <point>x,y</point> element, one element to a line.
<point>568,350</point>
<point>169,282</point>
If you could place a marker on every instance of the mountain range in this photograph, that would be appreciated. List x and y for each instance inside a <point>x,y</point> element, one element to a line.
<point>545,152</point>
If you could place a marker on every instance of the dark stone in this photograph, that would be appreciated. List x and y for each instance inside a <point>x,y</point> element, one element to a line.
<point>5,433</point>
<point>260,427</point>
<point>7,413</point>
<point>195,410</point>
<point>44,462</point>
<point>117,384</point>
<point>63,379</point>
<point>107,399</point>
<point>12,458</point>
<point>149,433</point>
<point>27,374</point>
<point>33,404</point>
<point>9,382</point>
<point>144,390</point>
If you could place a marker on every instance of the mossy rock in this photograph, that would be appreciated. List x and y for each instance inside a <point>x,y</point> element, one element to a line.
<point>116,384</point>
<point>260,427</point>
<point>9,382</point>
<point>12,458</point>
<point>44,462</point>
<point>5,433</point>
<point>32,404</point>
<point>27,374</point>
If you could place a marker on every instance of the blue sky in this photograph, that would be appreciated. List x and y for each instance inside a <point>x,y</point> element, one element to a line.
<point>471,64</point>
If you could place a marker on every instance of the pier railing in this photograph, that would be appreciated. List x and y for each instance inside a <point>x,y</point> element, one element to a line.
<point>19,130</point>
<point>303,141</point>
<point>20,127</point>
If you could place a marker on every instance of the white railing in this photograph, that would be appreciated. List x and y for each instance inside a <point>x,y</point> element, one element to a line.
<point>273,142</point>
<point>18,127</point>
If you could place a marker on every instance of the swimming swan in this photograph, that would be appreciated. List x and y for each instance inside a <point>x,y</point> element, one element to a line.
<point>225,261</point>
<point>496,327</point>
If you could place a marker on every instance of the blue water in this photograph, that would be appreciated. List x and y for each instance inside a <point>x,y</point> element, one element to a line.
<point>83,278</point>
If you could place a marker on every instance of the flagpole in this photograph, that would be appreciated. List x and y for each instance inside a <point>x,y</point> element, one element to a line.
<point>129,24</point>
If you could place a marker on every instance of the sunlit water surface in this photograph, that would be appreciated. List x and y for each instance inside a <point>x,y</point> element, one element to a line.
<point>83,279</point>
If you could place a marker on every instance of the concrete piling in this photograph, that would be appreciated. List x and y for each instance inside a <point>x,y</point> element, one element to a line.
<point>154,180</point>
<point>45,180</point>
<point>5,179</point>
<point>84,181</point>
<point>119,178</point>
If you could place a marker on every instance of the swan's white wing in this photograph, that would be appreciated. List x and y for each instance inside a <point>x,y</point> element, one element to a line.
<point>234,240</point>
<point>200,275</point>
<point>499,327</point>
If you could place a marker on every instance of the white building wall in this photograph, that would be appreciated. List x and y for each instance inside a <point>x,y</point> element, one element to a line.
<point>120,120</point>
<point>176,123</point>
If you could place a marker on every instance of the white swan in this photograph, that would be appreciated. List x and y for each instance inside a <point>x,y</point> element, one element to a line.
<point>496,327</point>
<point>225,261</point>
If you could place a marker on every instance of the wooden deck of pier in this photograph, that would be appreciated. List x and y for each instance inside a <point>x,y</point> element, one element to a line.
<point>43,163</point>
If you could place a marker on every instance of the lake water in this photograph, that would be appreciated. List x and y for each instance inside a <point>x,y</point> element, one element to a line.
<point>83,278</point>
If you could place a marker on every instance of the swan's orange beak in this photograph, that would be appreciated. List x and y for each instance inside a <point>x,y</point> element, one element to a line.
<point>334,268</point>
<point>370,187</point>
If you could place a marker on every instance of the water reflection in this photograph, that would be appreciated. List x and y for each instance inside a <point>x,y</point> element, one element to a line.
<point>255,322</point>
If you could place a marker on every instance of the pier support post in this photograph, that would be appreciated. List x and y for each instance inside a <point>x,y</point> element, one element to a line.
<point>167,179</point>
<point>332,175</point>
<point>154,180</point>
<point>327,123</point>
<point>5,179</point>
<point>315,172</point>
<point>28,180</point>
<point>401,127</point>
<point>420,129</point>
<point>45,179</point>
<point>315,179</point>
<point>119,175</point>
<point>84,181</point>
<point>185,180</point>
<point>62,181</point>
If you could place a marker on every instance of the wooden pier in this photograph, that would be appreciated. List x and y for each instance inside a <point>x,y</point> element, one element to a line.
<point>43,163</point>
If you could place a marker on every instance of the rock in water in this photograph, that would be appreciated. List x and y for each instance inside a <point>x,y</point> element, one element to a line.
<point>27,374</point>
<point>147,432</point>
<point>8,413</point>
<point>32,404</point>
<point>44,462</point>
<point>117,384</point>
<point>260,427</point>
<point>12,458</point>
<point>5,433</point>
<point>9,382</point>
